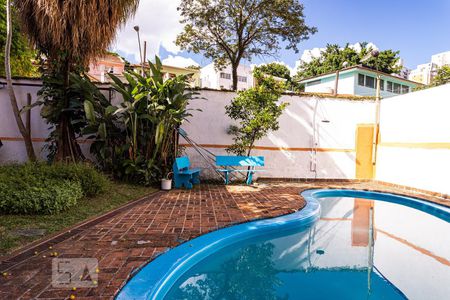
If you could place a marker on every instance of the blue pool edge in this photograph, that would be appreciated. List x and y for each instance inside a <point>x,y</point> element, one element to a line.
<point>154,280</point>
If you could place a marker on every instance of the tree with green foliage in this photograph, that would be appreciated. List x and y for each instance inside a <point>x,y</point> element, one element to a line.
<point>442,77</point>
<point>275,69</point>
<point>228,31</point>
<point>256,110</point>
<point>333,57</point>
<point>24,129</point>
<point>281,71</point>
<point>22,54</point>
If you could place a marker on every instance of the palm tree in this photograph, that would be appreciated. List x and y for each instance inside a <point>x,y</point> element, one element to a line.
<point>71,33</point>
<point>24,131</point>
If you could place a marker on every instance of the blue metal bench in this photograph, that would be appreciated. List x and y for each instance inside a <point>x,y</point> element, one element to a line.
<point>249,162</point>
<point>182,175</point>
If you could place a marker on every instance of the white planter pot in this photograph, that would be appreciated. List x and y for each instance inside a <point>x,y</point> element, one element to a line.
<point>166,184</point>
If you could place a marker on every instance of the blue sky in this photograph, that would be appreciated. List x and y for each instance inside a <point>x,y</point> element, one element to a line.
<point>417,28</point>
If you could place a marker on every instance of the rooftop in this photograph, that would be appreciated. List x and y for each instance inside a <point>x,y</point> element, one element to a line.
<point>355,68</point>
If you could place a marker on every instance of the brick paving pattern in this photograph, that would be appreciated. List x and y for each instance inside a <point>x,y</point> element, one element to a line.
<point>132,238</point>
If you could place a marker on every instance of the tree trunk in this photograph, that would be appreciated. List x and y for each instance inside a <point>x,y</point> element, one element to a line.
<point>68,149</point>
<point>24,131</point>
<point>28,115</point>
<point>249,151</point>
<point>250,147</point>
<point>234,75</point>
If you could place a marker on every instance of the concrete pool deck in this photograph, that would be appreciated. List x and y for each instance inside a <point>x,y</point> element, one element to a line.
<point>128,238</point>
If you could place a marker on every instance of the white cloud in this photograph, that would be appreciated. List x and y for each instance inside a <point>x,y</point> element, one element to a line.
<point>357,46</point>
<point>159,25</point>
<point>309,54</point>
<point>297,65</point>
<point>179,61</point>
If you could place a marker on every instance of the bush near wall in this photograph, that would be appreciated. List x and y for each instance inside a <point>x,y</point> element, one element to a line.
<point>38,188</point>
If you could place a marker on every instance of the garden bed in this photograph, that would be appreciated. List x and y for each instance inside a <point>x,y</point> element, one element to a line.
<point>19,230</point>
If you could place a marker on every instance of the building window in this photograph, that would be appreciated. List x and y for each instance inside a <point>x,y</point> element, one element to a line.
<point>361,79</point>
<point>382,84</point>
<point>314,82</point>
<point>242,78</point>
<point>370,82</point>
<point>225,75</point>
<point>405,89</point>
<point>389,87</point>
<point>367,81</point>
<point>397,88</point>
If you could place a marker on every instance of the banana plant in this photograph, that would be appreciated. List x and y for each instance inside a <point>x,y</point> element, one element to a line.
<point>151,109</point>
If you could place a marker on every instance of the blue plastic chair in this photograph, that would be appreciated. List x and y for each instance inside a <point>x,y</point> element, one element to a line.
<point>182,175</point>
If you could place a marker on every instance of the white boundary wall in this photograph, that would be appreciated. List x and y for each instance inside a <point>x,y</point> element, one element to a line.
<point>414,148</point>
<point>415,140</point>
<point>13,149</point>
<point>287,152</point>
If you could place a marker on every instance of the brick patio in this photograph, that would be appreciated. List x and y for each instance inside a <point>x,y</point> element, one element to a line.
<point>136,234</point>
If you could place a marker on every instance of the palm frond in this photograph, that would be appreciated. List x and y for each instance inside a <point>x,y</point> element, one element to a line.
<point>80,29</point>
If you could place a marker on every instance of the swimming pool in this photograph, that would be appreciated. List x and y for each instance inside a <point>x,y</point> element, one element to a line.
<point>344,244</point>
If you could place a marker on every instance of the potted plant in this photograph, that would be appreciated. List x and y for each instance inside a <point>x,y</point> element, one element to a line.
<point>166,182</point>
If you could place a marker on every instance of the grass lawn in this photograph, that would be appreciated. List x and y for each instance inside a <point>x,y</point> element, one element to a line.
<point>116,195</point>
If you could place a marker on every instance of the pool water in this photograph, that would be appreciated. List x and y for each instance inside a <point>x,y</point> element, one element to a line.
<point>358,249</point>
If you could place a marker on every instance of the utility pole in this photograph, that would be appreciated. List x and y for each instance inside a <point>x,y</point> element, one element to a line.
<point>336,82</point>
<point>377,121</point>
<point>145,53</point>
<point>145,59</point>
<point>136,28</point>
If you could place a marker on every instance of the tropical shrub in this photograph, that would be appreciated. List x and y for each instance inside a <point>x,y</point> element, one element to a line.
<point>37,188</point>
<point>137,140</point>
<point>45,196</point>
<point>256,110</point>
<point>53,106</point>
<point>92,182</point>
